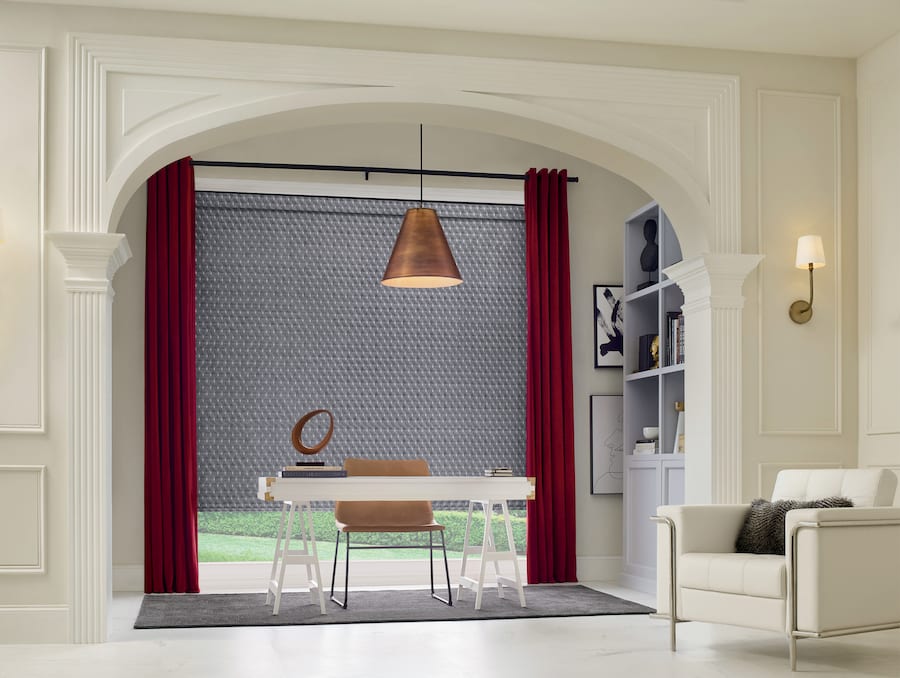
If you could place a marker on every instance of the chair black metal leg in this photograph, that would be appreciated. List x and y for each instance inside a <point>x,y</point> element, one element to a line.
<point>431,559</point>
<point>449,599</point>
<point>347,573</point>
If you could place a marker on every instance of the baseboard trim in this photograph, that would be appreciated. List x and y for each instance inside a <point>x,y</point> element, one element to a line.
<point>34,624</point>
<point>598,568</point>
<point>638,583</point>
<point>128,578</point>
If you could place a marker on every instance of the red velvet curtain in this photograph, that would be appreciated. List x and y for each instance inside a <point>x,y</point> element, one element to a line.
<point>170,385</point>
<point>550,455</point>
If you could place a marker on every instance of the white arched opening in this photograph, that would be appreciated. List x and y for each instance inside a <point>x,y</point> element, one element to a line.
<point>138,103</point>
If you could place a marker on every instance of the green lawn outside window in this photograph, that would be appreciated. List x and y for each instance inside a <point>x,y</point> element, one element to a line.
<point>244,536</point>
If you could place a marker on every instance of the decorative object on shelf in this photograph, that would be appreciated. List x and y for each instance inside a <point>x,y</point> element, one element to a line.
<point>651,432</point>
<point>607,464</point>
<point>650,253</point>
<point>648,352</point>
<point>645,359</point>
<point>609,343</point>
<point>297,433</point>
<point>421,255</point>
<point>811,255</point>
<point>678,446</point>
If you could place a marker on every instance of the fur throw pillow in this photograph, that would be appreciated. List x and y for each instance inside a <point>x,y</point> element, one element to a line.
<point>763,528</point>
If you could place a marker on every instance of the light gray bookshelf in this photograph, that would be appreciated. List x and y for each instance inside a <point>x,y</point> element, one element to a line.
<point>649,396</point>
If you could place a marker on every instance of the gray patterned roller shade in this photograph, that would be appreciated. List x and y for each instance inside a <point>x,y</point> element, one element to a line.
<point>291,316</point>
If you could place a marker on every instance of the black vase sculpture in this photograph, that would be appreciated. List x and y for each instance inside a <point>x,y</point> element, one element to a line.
<point>650,253</point>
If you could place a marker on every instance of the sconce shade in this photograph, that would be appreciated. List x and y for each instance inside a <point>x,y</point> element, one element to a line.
<point>810,251</point>
<point>421,256</point>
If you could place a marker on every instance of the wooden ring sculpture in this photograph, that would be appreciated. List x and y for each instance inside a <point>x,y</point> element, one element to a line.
<point>297,433</point>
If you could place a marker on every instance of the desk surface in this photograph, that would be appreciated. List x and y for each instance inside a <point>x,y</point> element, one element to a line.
<point>396,488</point>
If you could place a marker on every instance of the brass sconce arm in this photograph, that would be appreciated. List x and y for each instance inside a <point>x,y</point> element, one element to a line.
<point>801,311</point>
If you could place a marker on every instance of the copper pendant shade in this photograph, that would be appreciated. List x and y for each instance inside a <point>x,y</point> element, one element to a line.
<point>421,255</point>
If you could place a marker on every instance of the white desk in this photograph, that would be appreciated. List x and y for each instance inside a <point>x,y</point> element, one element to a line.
<point>298,492</point>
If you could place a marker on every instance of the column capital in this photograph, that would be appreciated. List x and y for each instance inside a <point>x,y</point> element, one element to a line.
<point>92,259</point>
<point>713,280</point>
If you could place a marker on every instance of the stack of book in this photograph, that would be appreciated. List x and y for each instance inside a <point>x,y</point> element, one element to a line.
<point>674,338</point>
<point>498,471</point>
<point>312,469</point>
<point>642,446</point>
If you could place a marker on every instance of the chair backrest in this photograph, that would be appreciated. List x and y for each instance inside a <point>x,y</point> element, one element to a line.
<point>384,514</point>
<point>864,486</point>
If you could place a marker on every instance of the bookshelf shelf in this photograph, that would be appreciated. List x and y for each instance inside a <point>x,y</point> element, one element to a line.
<point>650,393</point>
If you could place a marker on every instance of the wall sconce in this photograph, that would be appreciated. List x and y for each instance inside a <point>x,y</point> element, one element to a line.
<point>810,255</point>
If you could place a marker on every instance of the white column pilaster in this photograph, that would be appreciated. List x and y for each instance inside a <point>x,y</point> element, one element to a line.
<point>91,262</point>
<point>713,304</point>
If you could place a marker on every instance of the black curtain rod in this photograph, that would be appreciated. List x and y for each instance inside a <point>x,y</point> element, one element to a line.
<point>365,170</point>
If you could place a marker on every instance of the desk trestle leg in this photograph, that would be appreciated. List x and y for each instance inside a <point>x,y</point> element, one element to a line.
<point>285,556</point>
<point>489,553</point>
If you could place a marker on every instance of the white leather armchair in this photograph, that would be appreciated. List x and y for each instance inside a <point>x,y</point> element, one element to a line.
<point>839,574</point>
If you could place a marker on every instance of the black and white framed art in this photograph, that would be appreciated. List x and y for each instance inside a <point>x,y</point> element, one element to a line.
<point>609,347</point>
<point>607,462</point>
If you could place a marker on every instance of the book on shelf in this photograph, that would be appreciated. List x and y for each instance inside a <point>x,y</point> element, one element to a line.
<point>314,469</point>
<point>306,464</point>
<point>674,338</point>
<point>645,447</point>
<point>498,471</point>
<point>313,474</point>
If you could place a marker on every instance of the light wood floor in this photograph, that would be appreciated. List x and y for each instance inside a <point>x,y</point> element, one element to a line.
<point>598,647</point>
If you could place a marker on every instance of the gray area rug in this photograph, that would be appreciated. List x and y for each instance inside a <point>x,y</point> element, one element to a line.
<point>250,609</point>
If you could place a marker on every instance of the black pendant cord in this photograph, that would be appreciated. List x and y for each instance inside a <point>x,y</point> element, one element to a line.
<point>420,165</point>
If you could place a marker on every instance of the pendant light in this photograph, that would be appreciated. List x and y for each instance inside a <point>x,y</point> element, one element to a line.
<point>421,255</point>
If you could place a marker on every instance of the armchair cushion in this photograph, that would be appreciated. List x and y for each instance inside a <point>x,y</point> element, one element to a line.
<point>763,528</point>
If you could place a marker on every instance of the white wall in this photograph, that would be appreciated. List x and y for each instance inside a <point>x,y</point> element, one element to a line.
<point>879,242</point>
<point>598,205</point>
<point>768,209</point>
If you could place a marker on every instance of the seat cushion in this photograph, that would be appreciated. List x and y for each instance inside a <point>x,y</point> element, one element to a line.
<point>747,574</point>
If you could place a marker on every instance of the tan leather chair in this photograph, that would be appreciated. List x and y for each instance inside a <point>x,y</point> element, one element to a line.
<point>386,516</point>
<point>838,575</point>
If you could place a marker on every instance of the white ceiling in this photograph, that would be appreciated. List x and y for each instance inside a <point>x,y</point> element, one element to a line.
<point>841,28</point>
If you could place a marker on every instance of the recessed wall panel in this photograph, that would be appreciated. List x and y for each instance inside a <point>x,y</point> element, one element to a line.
<point>799,194</point>
<point>21,537</point>
<point>882,333</point>
<point>21,237</point>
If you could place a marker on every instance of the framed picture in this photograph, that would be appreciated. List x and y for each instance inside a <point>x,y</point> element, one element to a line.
<point>609,345</point>
<point>607,462</point>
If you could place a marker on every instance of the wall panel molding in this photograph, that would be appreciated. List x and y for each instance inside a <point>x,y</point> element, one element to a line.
<point>810,202</point>
<point>22,202</point>
<point>643,112</point>
<point>34,623</point>
<point>24,540</point>
<point>879,168</point>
